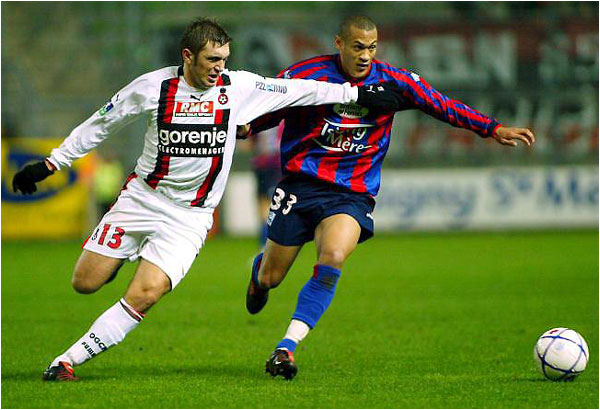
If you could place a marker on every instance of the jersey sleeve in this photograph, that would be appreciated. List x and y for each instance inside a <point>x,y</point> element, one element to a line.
<point>260,95</point>
<point>419,94</point>
<point>268,121</point>
<point>271,119</point>
<point>127,104</point>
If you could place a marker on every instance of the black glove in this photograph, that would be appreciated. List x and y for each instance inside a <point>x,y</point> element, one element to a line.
<point>26,178</point>
<point>385,96</point>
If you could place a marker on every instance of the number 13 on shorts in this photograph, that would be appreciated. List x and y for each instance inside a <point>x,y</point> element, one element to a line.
<point>108,235</point>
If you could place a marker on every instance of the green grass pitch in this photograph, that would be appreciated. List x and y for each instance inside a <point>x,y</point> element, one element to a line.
<point>418,321</point>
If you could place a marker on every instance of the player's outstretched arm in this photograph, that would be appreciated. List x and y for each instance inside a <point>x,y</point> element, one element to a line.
<point>417,93</point>
<point>25,179</point>
<point>261,95</point>
<point>510,136</point>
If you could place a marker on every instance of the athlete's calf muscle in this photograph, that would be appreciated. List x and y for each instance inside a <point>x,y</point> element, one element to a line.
<point>276,263</point>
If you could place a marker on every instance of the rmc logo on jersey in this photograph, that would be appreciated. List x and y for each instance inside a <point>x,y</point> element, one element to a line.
<point>198,140</point>
<point>193,109</point>
<point>343,137</point>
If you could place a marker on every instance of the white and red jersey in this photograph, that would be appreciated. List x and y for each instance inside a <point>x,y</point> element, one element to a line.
<point>190,140</point>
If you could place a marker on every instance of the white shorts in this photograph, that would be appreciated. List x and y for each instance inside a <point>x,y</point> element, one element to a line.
<point>143,223</point>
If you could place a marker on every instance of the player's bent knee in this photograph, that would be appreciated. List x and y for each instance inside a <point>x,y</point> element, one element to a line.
<point>84,285</point>
<point>81,280</point>
<point>143,300</point>
<point>332,257</point>
<point>144,297</point>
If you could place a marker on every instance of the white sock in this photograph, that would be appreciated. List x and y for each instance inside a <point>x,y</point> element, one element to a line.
<point>296,331</point>
<point>108,330</point>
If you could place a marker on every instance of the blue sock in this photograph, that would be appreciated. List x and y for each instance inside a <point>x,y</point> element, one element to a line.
<point>316,296</point>
<point>256,267</point>
<point>287,344</point>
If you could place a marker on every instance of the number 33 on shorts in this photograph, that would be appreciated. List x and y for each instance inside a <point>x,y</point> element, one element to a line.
<point>114,233</point>
<point>278,200</point>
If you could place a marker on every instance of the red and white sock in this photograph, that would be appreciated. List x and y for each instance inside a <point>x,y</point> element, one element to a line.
<point>108,330</point>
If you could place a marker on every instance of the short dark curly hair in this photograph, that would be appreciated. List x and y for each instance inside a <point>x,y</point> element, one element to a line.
<point>200,31</point>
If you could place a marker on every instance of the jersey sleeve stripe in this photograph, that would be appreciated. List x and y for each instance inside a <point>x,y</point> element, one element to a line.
<point>440,106</point>
<point>309,62</point>
<point>307,72</point>
<point>458,106</point>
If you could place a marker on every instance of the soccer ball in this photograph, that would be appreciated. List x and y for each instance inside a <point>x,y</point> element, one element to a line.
<point>561,354</point>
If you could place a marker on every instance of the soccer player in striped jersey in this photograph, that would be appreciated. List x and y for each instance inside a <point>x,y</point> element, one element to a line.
<point>166,206</point>
<point>331,158</point>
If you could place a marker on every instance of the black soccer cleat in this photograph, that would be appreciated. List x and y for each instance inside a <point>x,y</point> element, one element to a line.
<point>256,297</point>
<point>282,363</point>
<point>61,373</point>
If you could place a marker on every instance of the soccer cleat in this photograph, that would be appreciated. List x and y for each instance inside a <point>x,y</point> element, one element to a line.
<point>256,297</point>
<point>281,363</point>
<point>61,373</point>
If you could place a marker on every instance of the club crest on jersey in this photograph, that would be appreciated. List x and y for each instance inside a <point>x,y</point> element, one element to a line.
<point>223,99</point>
<point>343,137</point>
<point>350,110</point>
<point>194,109</point>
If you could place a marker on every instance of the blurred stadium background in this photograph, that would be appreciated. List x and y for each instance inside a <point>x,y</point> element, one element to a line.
<point>531,64</point>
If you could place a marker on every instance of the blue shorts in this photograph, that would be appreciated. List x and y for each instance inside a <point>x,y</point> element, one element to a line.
<point>299,204</point>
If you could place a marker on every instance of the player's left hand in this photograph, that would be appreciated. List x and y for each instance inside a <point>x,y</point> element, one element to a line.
<point>510,136</point>
<point>242,131</point>
<point>25,179</point>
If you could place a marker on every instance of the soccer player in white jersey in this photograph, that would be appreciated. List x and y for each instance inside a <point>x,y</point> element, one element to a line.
<point>165,208</point>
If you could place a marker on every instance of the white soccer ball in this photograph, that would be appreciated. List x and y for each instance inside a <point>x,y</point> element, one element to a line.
<point>561,354</point>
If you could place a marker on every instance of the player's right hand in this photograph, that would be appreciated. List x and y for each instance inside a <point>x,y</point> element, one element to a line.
<point>385,96</point>
<point>25,179</point>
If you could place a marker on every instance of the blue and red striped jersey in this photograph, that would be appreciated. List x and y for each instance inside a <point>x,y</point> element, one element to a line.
<point>345,144</point>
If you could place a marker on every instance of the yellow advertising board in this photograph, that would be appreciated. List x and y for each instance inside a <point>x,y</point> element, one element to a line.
<point>59,208</point>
